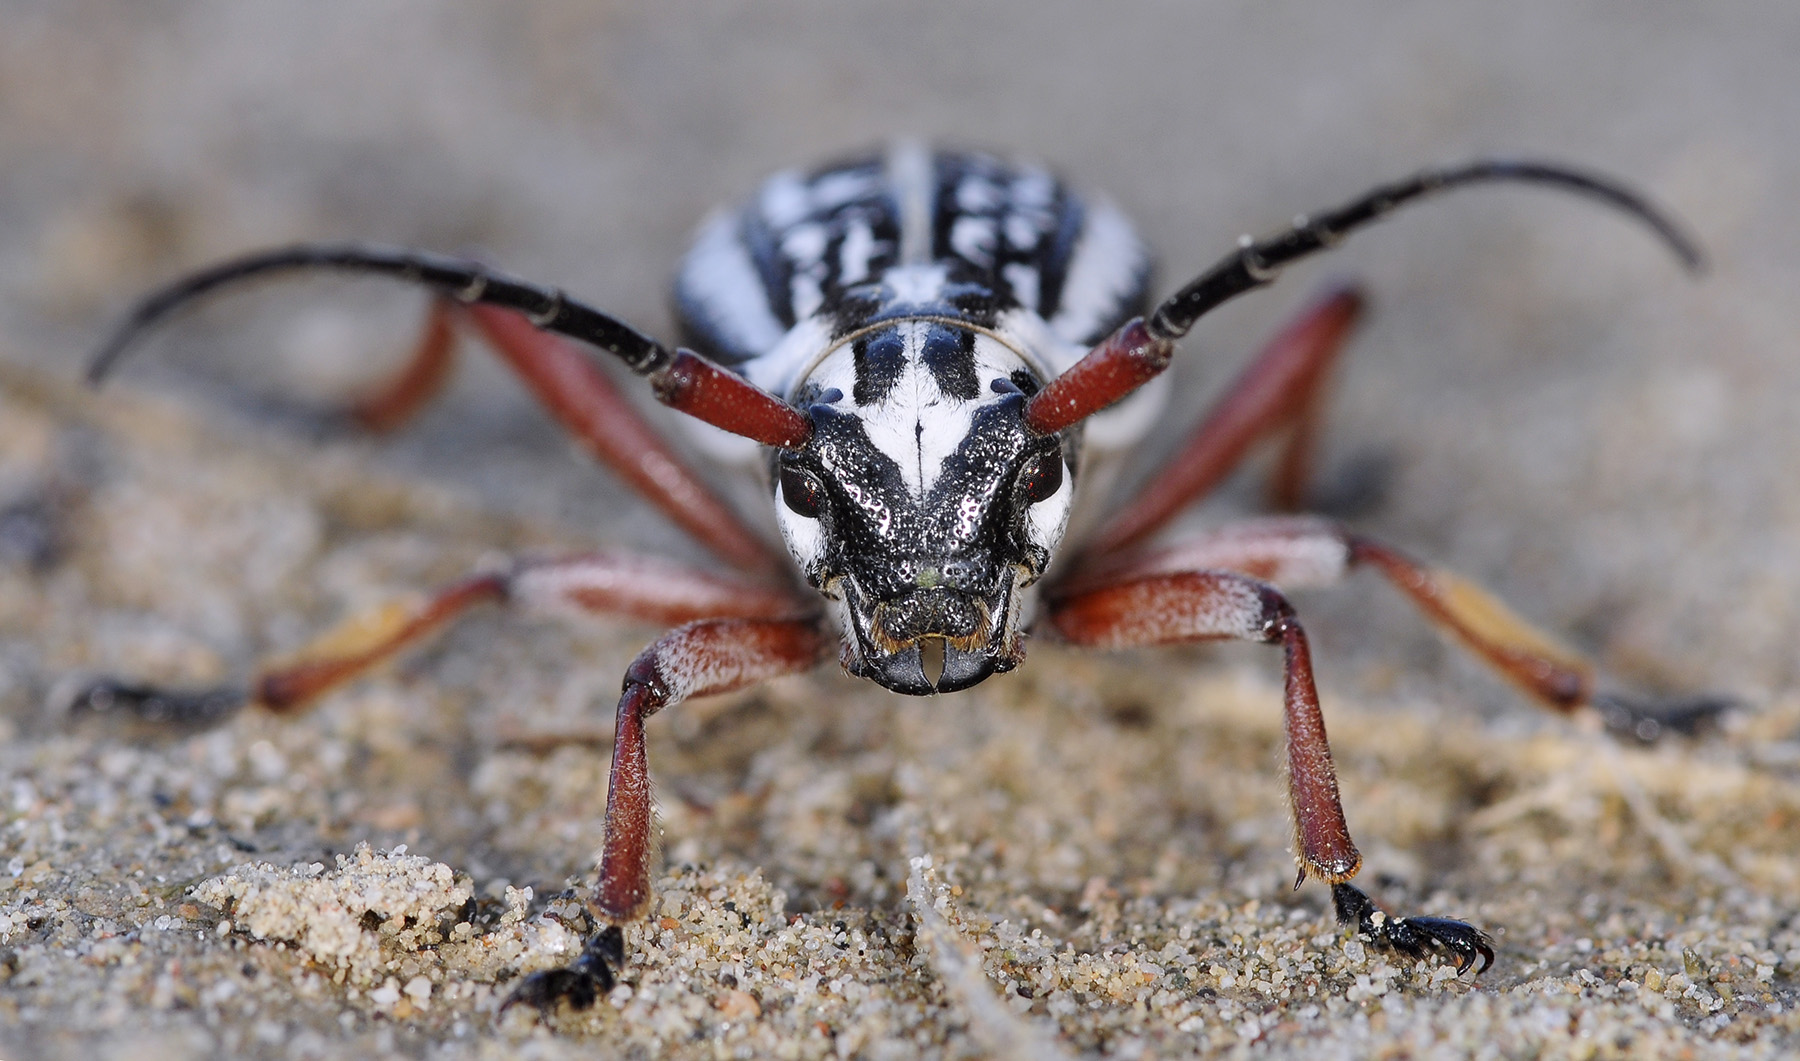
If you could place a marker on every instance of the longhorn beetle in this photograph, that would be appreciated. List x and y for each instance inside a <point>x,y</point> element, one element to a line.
<point>924,353</point>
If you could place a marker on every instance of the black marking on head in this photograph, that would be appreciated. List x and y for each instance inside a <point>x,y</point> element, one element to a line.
<point>944,566</point>
<point>949,354</point>
<point>965,526</point>
<point>1026,381</point>
<point>879,359</point>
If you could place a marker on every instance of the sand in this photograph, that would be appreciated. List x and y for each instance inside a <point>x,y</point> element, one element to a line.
<point>1088,858</point>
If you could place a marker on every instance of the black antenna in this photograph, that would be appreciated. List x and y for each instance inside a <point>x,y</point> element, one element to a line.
<point>465,281</point>
<point>1258,262</point>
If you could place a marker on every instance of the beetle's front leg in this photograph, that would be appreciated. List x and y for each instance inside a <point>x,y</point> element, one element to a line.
<point>1218,605</point>
<point>699,659</point>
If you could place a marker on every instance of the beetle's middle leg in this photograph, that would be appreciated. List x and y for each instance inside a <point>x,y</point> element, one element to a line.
<point>1187,606</point>
<point>598,584</point>
<point>1303,552</point>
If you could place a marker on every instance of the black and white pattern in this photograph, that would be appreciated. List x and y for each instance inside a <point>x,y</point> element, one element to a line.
<point>970,236</point>
<point>909,302</point>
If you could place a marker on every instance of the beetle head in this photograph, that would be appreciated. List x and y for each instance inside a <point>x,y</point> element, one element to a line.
<point>922,503</point>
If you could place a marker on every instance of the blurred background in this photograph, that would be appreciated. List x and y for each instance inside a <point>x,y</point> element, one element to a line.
<point>1540,397</point>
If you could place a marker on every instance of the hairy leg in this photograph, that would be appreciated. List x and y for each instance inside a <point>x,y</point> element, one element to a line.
<point>598,584</point>
<point>699,659</point>
<point>1206,605</point>
<point>1299,552</point>
<point>1283,389</point>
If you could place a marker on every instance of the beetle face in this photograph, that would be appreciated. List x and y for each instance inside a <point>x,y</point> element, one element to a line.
<point>922,503</point>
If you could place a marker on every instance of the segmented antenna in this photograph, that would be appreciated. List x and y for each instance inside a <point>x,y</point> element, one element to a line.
<point>1258,262</point>
<point>678,377</point>
<point>1141,349</point>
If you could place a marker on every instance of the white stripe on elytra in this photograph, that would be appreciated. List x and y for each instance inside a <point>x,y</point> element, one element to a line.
<point>723,279</point>
<point>1102,271</point>
<point>854,253</point>
<point>912,174</point>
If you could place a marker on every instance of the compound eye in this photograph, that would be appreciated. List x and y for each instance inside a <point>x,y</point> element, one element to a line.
<point>801,492</point>
<point>1042,478</point>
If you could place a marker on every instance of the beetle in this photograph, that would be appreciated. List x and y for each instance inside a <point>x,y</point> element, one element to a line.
<point>931,359</point>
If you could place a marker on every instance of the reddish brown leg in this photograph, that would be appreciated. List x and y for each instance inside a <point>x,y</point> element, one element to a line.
<point>699,659</point>
<point>584,400</point>
<point>1297,552</point>
<point>601,584</point>
<point>1215,606</point>
<point>1219,605</point>
<point>399,398</point>
<point>1282,389</point>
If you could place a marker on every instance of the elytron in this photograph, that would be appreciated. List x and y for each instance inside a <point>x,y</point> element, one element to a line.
<point>931,360</point>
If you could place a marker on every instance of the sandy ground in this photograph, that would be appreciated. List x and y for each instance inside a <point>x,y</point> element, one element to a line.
<point>1088,857</point>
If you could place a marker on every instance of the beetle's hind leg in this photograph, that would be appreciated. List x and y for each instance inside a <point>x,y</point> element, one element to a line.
<point>393,401</point>
<point>1210,605</point>
<point>583,399</point>
<point>1550,673</point>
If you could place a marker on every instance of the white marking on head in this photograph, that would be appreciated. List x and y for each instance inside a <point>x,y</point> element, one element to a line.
<point>915,422</point>
<point>804,537</point>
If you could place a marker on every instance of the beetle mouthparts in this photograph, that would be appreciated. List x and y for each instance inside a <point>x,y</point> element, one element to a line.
<point>928,641</point>
<point>938,613</point>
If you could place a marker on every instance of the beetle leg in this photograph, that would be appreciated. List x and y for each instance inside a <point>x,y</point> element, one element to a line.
<point>1554,675</point>
<point>565,380</point>
<point>1283,388</point>
<point>1187,606</point>
<point>589,405</point>
<point>598,584</point>
<point>699,659</point>
<point>1413,938</point>
<point>391,403</point>
<point>586,402</point>
<point>1302,552</point>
